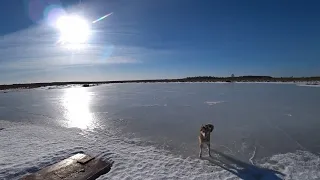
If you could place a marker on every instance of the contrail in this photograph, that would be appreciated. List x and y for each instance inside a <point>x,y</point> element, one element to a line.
<point>101,18</point>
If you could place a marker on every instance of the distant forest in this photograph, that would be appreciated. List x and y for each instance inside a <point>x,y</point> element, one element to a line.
<point>232,78</point>
<point>251,79</point>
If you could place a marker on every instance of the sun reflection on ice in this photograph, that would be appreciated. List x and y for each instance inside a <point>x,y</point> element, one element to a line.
<point>76,102</point>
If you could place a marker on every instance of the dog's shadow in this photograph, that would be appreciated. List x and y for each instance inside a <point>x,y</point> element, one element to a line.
<point>241,169</point>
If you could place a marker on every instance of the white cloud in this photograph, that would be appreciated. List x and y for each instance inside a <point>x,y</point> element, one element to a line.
<point>122,60</point>
<point>59,62</point>
<point>36,48</point>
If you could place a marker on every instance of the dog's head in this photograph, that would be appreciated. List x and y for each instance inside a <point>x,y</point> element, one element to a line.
<point>210,127</point>
<point>206,129</point>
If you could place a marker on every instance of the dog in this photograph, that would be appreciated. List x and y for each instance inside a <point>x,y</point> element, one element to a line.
<point>204,137</point>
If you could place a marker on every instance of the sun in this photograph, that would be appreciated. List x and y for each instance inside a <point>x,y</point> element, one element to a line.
<point>73,29</point>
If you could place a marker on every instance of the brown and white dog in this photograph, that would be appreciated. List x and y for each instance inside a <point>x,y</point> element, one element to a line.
<point>204,137</point>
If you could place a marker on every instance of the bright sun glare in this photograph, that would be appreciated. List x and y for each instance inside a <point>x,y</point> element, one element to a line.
<point>76,102</point>
<point>73,29</point>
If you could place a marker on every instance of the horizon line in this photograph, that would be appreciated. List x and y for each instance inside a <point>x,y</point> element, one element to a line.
<point>247,77</point>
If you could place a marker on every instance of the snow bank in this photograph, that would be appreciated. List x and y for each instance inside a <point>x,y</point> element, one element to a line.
<point>211,103</point>
<point>307,85</point>
<point>26,148</point>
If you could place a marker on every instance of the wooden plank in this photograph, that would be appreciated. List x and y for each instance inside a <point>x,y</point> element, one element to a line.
<point>79,166</point>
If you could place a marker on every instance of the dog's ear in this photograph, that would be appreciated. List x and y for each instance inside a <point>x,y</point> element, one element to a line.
<point>211,127</point>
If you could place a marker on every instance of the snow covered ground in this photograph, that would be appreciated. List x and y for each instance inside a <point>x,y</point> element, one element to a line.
<point>150,131</point>
<point>309,85</point>
<point>26,148</point>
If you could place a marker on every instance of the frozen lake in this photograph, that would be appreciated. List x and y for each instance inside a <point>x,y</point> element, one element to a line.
<point>150,130</point>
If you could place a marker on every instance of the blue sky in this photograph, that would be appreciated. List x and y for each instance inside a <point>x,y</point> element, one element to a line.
<point>145,39</point>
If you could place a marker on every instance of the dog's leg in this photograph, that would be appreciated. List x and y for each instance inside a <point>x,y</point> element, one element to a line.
<point>209,149</point>
<point>200,153</point>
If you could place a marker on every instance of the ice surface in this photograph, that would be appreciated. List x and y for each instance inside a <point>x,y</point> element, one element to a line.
<point>150,130</point>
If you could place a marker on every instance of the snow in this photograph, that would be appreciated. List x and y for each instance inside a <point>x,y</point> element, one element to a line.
<point>26,148</point>
<point>307,85</point>
<point>211,103</point>
<point>298,165</point>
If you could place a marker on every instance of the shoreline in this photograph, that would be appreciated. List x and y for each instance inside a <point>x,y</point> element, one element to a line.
<point>308,81</point>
